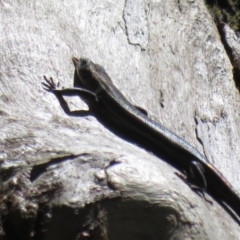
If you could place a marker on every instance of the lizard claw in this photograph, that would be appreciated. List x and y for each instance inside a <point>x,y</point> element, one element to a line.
<point>49,85</point>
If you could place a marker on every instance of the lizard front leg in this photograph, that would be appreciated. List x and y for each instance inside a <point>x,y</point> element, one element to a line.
<point>86,95</point>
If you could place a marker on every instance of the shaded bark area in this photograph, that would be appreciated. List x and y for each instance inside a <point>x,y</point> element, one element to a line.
<point>227,11</point>
<point>231,43</point>
<point>71,178</point>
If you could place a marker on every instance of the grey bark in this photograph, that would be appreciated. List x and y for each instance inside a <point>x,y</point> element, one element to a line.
<point>70,178</point>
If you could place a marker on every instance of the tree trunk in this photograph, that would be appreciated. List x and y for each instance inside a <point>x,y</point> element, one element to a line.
<point>71,178</point>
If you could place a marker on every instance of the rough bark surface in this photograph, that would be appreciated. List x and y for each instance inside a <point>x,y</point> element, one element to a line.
<point>70,178</point>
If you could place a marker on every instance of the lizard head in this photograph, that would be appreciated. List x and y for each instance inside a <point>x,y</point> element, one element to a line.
<point>89,75</point>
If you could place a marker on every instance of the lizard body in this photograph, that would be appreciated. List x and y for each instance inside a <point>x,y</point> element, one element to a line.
<point>113,110</point>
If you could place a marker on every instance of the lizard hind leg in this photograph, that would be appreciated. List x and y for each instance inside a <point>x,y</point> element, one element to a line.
<point>195,179</point>
<point>197,176</point>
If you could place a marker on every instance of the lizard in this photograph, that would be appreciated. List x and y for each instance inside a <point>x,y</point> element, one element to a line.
<point>110,107</point>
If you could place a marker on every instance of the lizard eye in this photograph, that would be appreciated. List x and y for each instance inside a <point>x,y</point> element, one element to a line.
<point>83,62</point>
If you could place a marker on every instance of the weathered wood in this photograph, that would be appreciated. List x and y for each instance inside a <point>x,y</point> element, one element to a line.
<point>70,178</point>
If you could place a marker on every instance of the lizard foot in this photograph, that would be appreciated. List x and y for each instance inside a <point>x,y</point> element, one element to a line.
<point>49,85</point>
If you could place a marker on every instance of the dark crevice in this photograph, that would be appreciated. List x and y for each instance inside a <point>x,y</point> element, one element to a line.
<point>41,168</point>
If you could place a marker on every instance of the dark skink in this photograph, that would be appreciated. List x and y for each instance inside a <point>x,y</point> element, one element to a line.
<point>113,110</point>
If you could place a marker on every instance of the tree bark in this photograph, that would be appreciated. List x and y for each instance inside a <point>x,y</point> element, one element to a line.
<point>70,178</point>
